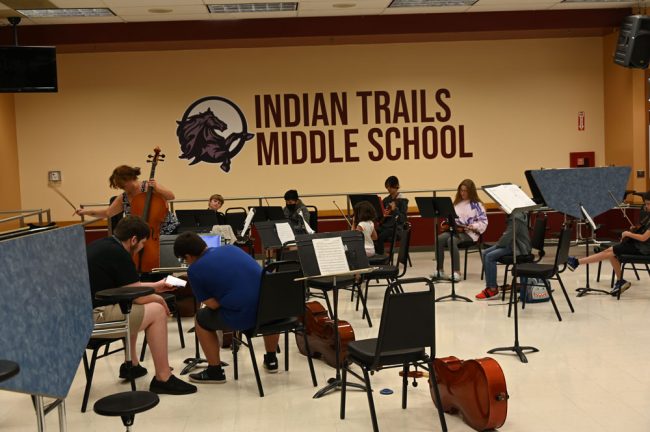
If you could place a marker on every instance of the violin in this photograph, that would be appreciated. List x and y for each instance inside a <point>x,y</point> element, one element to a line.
<point>153,209</point>
<point>444,227</point>
<point>321,335</point>
<point>474,388</point>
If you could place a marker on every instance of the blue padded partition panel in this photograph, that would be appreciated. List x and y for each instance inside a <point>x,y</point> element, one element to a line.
<point>46,316</point>
<point>565,189</point>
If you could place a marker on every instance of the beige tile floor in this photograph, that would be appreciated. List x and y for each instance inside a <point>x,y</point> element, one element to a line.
<point>591,373</point>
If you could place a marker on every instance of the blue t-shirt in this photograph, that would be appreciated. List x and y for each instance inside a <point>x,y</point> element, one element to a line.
<point>232,277</point>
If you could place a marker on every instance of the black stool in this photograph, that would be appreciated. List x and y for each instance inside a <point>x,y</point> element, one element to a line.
<point>8,369</point>
<point>126,405</point>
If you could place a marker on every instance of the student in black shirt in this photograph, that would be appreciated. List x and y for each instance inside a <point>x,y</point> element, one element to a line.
<point>110,265</point>
<point>395,209</point>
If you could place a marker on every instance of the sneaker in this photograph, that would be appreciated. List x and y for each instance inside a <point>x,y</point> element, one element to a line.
<point>572,263</point>
<point>137,371</point>
<point>487,294</point>
<point>173,386</point>
<point>455,277</point>
<point>621,285</point>
<point>270,362</point>
<point>211,375</point>
<point>439,274</point>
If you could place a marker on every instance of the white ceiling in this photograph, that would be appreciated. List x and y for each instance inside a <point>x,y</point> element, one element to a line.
<point>193,10</point>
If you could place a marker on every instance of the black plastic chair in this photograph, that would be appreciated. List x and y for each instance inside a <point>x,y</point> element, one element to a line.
<point>281,303</point>
<point>391,273</point>
<point>548,272</point>
<point>388,258</point>
<point>632,260</point>
<point>124,297</point>
<point>406,330</point>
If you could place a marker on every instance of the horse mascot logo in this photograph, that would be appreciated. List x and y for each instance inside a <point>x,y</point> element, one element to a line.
<point>213,130</point>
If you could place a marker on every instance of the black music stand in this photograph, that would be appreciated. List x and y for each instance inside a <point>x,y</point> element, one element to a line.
<point>357,263</point>
<point>268,213</point>
<point>512,200</point>
<point>375,200</point>
<point>442,207</point>
<point>587,289</point>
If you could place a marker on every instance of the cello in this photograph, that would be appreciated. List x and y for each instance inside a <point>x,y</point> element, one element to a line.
<point>321,335</point>
<point>153,209</point>
<point>475,388</point>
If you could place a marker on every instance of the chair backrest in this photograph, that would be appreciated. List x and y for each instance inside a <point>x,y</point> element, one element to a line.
<point>393,242</point>
<point>115,219</point>
<point>407,319</point>
<point>313,217</point>
<point>235,217</point>
<point>539,234</point>
<point>563,245</point>
<point>280,295</point>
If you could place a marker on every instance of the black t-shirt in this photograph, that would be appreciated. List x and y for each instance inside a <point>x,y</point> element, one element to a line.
<point>109,266</point>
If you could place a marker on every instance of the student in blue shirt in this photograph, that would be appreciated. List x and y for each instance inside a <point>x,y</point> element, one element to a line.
<point>226,280</point>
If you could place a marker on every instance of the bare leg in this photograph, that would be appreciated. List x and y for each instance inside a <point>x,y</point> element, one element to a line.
<point>271,342</point>
<point>607,254</point>
<point>209,343</point>
<point>154,324</point>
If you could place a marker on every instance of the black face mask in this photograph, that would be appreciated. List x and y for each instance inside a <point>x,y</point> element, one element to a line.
<point>291,207</point>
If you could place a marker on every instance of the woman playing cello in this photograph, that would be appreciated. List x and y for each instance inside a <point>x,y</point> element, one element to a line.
<point>126,178</point>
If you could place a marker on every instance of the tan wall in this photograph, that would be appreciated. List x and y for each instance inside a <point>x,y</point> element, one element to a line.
<point>518,101</point>
<point>9,179</point>
<point>625,113</point>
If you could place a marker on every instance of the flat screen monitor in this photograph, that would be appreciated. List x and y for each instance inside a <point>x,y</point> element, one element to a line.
<point>28,69</point>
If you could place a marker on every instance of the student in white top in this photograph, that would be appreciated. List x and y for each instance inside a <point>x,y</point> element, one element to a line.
<point>471,223</point>
<point>364,215</point>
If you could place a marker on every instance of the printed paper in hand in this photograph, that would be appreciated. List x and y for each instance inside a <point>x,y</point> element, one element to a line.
<point>247,222</point>
<point>285,233</point>
<point>330,255</point>
<point>509,197</point>
<point>173,280</point>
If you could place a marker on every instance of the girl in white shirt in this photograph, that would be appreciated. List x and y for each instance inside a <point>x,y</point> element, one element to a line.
<point>364,215</point>
<point>472,222</point>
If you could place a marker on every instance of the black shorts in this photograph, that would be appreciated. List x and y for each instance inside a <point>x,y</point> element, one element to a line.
<point>626,248</point>
<point>211,319</point>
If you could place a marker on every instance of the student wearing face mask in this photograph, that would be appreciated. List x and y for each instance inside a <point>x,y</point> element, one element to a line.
<point>295,211</point>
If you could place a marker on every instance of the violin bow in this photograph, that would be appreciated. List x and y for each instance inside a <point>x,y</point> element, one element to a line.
<point>618,205</point>
<point>64,197</point>
<point>343,214</point>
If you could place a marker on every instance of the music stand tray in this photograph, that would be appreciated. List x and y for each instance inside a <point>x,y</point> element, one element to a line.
<point>357,259</point>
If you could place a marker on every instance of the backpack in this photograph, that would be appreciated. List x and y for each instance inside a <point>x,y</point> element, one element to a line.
<point>535,290</point>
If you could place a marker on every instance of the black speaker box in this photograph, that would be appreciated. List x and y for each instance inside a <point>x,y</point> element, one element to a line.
<point>633,46</point>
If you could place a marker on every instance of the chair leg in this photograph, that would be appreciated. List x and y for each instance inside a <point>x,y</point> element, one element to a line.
<point>235,351</point>
<point>180,328</point>
<point>465,267</point>
<point>309,357</point>
<point>636,273</point>
<point>405,384</point>
<point>600,265</point>
<point>286,350</point>
<point>438,399</point>
<point>90,371</point>
<point>344,380</point>
<point>365,308</point>
<point>357,286</point>
<point>255,368</point>
<point>329,305</point>
<point>550,294</point>
<point>371,402</point>
<point>143,351</point>
<point>566,295</point>
<point>503,289</point>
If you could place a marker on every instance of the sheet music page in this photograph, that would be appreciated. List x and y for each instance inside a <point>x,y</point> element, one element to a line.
<point>307,227</point>
<point>330,255</point>
<point>510,197</point>
<point>589,219</point>
<point>177,282</point>
<point>285,233</point>
<point>247,222</point>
